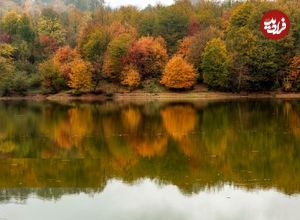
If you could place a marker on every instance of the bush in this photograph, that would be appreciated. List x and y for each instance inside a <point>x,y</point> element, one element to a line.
<point>216,64</point>
<point>13,83</point>
<point>130,77</point>
<point>179,74</point>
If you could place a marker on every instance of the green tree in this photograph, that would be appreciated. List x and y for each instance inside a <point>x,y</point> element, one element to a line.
<point>216,65</point>
<point>172,25</point>
<point>11,80</point>
<point>18,26</point>
<point>92,44</point>
<point>51,26</point>
<point>52,78</point>
<point>115,55</point>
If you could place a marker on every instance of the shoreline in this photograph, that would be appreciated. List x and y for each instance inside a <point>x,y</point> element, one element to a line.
<point>163,96</point>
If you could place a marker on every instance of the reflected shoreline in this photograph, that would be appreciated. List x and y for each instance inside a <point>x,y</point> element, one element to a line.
<point>192,145</point>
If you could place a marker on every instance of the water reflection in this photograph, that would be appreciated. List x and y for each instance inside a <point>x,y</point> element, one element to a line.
<point>194,146</point>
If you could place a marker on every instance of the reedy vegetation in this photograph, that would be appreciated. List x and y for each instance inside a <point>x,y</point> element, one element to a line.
<point>82,43</point>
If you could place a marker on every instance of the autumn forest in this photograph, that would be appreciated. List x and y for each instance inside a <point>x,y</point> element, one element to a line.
<point>52,46</point>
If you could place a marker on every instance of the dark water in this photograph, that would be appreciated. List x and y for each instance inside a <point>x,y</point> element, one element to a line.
<point>186,161</point>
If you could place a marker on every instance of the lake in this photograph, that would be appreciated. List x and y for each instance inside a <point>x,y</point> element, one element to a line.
<point>233,160</point>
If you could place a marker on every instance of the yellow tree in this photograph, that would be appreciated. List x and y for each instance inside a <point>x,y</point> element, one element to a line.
<point>130,77</point>
<point>81,75</point>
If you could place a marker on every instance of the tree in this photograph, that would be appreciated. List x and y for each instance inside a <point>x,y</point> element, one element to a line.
<point>197,44</point>
<point>116,29</point>
<point>292,78</point>
<point>63,58</point>
<point>184,47</point>
<point>115,55</point>
<point>81,75</point>
<point>179,74</point>
<point>172,26</point>
<point>51,27</point>
<point>216,63</point>
<point>149,55</point>
<point>243,44</point>
<point>11,80</point>
<point>130,77</point>
<point>92,45</point>
<point>52,78</point>
<point>18,26</point>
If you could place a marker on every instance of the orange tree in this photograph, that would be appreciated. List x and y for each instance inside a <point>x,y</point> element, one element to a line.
<point>179,74</point>
<point>149,55</point>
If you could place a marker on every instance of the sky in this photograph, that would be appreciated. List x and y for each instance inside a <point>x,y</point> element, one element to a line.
<point>139,3</point>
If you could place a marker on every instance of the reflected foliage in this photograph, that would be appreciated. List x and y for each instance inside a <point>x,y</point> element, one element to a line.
<point>80,146</point>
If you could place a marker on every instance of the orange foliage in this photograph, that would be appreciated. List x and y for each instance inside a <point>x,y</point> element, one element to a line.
<point>122,156</point>
<point>179,74</point>
<point>81,75</point>
<point>147,146</point>
<point>295,68</point>
<point>49,44</point>
<point>116,29</point>
<point>63,58</point>
<point>131,119</point>
<point>70,131</point>
<point>179,120</point>
<point>149,55</point>
<point>293,75</point>
<point>184,47</point>
<point>130,77</point>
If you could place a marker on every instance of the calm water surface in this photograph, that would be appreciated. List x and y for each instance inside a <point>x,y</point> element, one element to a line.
<point>235,160</point>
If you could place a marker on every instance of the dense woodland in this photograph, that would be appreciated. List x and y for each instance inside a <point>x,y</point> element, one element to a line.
<point>51,46</point>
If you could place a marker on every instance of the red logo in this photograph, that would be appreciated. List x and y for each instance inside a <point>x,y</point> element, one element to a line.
<point>275,25</point>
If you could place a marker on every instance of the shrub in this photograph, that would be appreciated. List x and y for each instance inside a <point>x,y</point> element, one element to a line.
<point>130,77</point>
<point>215,65</point>
<point>179,74</point>
<point>13,83</point>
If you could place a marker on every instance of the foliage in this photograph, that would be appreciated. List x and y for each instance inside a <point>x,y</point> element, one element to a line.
<point>63,59</point>
<point>11,80</point>
<point>179,74</point>
<point>108,39</point>
<point>92,42</point>
<point>292,78</point>
<point>81,75</point>
<point>149,55</point>
<point>172,26</point>
<point>18,25</point>
<point>51,27</point>
<point>130,77</point>
<point>115,55</point>
<point>197,45</point>
<point>52,78</point>
<point>216,64</point>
